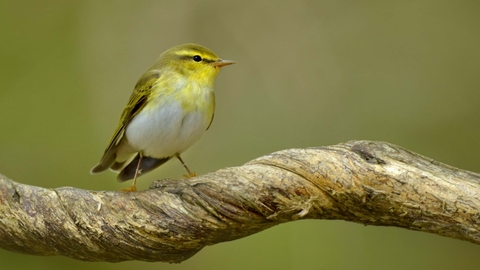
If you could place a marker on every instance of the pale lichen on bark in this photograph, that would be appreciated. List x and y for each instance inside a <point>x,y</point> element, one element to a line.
<point>372,183</point>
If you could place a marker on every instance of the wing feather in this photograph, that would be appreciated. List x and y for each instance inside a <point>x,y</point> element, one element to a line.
<point>135,104</point>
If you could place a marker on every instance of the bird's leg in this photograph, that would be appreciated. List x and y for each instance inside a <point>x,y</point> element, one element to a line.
<point>190,174</point>
<point>137,172</point>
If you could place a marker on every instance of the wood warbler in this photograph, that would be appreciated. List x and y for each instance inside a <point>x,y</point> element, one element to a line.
<point>170,108</point>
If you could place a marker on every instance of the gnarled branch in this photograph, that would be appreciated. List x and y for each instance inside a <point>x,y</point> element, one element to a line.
<point>372,183</point>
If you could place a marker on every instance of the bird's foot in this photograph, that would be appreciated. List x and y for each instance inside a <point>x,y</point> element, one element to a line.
<point>190,175</point>
<point>130,189</point>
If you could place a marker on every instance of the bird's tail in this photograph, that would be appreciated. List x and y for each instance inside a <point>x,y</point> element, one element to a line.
<point>147,164</point>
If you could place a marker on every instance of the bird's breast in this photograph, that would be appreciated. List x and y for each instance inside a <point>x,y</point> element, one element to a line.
<point>168,125</point>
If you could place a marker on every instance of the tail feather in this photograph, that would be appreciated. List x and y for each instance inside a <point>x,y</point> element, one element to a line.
<point>147,164</point>
<point>107,160</point>
<point>102,166</point>
<point>118,166</point>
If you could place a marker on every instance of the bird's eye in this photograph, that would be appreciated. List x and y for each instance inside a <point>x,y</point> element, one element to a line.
<point>197,58</point>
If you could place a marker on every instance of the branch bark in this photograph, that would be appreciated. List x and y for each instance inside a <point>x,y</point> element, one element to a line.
<point>372,183</point>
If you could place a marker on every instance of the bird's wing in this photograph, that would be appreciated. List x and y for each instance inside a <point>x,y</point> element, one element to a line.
<point>135,104</point>
<point>213,112</point>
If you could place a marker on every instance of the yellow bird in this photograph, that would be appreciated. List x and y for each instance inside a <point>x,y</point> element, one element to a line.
<point>171,107</point>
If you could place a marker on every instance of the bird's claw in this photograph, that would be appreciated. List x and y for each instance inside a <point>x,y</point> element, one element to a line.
<point>190,175</point>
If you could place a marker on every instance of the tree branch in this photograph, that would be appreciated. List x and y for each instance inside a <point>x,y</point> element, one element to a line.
<point>372,183</point>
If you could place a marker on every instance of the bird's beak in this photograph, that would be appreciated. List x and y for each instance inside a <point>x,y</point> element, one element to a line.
<point>221,63</point>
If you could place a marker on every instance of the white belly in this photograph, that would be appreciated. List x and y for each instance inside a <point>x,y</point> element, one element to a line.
<point>166,130</point>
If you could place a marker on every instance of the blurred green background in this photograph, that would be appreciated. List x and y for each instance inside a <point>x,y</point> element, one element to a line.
<point>308,73</point>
